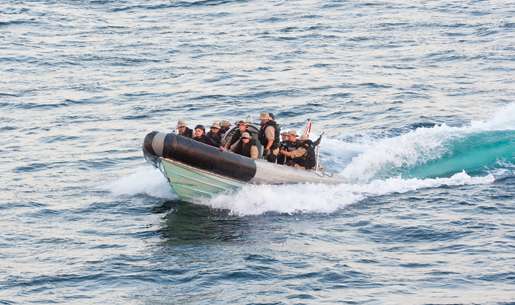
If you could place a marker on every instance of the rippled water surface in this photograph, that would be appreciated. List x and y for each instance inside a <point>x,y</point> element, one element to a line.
<point>416,100</point>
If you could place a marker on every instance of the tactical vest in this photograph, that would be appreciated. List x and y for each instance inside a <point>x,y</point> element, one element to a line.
<point>235,137</point>
<point>289,146</point>
<point>214,139</point>
<point>308,160</point>
<point>311,158</point>
<point>244,149</point>
<point>277,133</point>
<point>187,133</point>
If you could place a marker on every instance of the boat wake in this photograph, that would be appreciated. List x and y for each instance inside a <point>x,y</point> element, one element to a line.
<point>319,198</point>
<point>427,157</point>
<point>439,151</point>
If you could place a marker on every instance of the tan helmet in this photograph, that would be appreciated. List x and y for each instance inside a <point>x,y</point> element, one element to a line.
<point>181,123</point>
<point>292,132</point>
<point>264,116</point>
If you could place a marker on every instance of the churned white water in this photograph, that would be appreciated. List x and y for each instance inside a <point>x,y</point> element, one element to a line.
<point>418,146</point>
<point>142,180</point>
<point>317,198</point>
<point>392,84</point>
<point>360,162</point>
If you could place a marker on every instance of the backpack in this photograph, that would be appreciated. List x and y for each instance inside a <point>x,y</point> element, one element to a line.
<point>310,157</point>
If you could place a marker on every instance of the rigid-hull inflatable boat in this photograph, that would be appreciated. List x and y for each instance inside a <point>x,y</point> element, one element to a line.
<point>196,170</point>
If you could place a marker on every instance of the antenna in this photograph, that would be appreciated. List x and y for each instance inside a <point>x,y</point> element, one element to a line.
<point>307,129</point>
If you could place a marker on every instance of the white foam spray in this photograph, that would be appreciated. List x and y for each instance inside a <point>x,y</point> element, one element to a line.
<point>418,146</point>
<point>322,198</point>
<point>503,119</point>
<point>360,164</point>
<point>143,180</point>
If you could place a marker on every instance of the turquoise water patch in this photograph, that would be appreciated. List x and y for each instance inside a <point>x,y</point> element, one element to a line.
<point>476,154</point>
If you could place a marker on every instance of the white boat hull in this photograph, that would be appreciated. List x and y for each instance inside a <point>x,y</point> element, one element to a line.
<point>192,184</point>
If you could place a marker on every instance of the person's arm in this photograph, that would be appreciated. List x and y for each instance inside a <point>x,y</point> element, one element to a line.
<point>270,137</point>
<point>317,142</point>
<point>254,152</point>
<point>297,153</point>
<point>228,144</point>
<point>233,146</point>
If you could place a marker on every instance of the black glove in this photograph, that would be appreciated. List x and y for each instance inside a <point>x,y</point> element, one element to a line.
<point>266,152</point>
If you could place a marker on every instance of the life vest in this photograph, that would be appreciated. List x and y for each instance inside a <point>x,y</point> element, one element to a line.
<point>188,132</point>
<point>289,146</point>
<point>223,130</point>
<point>202,139</point>
<point>277,133</point>
<point>235,137</point>
<point>214,139</point>
<point>310,156</point>
<point>308,160</point>
<point>244,149</point>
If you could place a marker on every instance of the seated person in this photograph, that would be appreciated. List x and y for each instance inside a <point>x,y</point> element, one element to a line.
<point>284,136</point>
<point>310,159</point>
<point>246,146</point>
<point>199,134</point>
<point>225,126</point>
<point>213,136</point>
<point>183,130</point>
<point>242,127</point>
<point>303,156</point>
<point>285,144</point>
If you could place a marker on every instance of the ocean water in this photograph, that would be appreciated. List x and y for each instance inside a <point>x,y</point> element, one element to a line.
<point>416,99</point>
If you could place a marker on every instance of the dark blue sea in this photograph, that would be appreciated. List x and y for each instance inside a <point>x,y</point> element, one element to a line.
<point>416,100</point>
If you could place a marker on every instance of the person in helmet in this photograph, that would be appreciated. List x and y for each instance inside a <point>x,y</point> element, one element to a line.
<point>183,130</point>
<point>303,156</point>
<point>225,125</point>
<point>243,126</point>
<point>287,145</point>
<point>246,146</point>
<point>269,137</point>
<point>214,136</point>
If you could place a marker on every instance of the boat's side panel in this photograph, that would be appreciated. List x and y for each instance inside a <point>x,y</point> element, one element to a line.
<point>271,173</point>
<point>192,184</point>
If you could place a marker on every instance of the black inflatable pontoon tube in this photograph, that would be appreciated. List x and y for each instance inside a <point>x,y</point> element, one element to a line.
<point>199,155</point>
